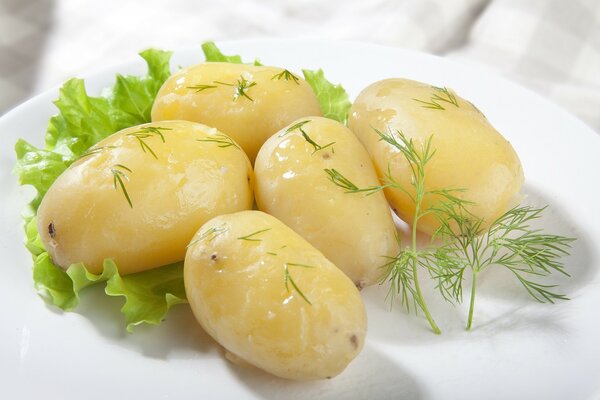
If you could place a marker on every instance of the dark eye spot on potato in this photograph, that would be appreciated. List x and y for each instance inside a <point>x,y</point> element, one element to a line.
<point>360,285</point>
<point>248,178</point>
<point>354,341</point>
<point>213,256</point>
<point>326,156</point>
<point>51,230</point>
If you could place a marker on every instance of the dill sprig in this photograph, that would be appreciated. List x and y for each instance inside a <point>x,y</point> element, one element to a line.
<point>461,243</point>
<point>441,94</point>
<point>201,88</point>
<point>340,180</point>
<point>242,85</point>
<point>148,132</point>
<point>287,278</point>
<point>251,237</point>
<point>510,242</point>
<point>209,234</point>
<point>96,150</point>
<point>119,172</point>
<point>300,126</point>
<point>287,75</point>
<point>292,128</point>
<point>221,140</point>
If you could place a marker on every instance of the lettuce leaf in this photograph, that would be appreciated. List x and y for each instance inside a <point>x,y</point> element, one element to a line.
<point>213,54</point>
<point>81,122</point>
<point>333,99</point>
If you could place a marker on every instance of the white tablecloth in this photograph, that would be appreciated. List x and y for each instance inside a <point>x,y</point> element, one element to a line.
<point>551,46</point>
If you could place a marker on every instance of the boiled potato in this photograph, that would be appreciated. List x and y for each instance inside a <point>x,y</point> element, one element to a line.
<point>247,102</point>
<point>139,196</point>
<point>271,299</point>
<point>353,230</point>
<point>469,153</point>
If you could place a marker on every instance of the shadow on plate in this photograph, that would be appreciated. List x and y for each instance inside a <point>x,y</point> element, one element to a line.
<point>370,376</point>
<point>179,336</point>
<point>502,304</point>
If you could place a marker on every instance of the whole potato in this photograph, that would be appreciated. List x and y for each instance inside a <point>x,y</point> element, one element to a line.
<point>247,102</point>
<point>353,230</point>
<point>469,153</point>
<point>271,299</point>
<point>139,195</point>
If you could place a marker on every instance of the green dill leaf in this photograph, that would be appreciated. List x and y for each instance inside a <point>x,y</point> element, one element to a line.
<point>440,94</point>
<point>286,75</point>
<point>251,237</point>
<point>221,140</point>
<point>287,277</point>
<point>209,234</point>
<point>148,132</point>
<point>119,172</point>
<point>241,86</point>
<point>200,88</point>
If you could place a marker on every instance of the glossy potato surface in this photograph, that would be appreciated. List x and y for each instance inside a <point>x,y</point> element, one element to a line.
<point>247,102</point>
<point>353,230</point>
<point>139,196</point>
<point>469,153</point>
<point>271,299</point>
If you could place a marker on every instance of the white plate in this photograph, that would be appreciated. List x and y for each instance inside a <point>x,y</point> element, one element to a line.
<point>518,348</point>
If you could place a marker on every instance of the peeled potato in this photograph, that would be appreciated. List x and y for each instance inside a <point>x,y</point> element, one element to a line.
<point>353,230</point>
<point>247,102</point>
<point>139,196</point>
<point>469,153</point>
<point>271,299</point>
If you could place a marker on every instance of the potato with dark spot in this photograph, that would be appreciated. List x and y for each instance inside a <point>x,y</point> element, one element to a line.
<point>298,172</point>
<point>271,299</point>
<point>139,196</point>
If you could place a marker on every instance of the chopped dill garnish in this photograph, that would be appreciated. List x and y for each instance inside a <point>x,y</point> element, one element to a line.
<point>119,172</point>
<point>242,85</point>
<point>292,128</point>
<point>340,180</point>
<point>96,150</point>
<point>441,94</point>
<point>209,234</point>
<point>299,126</point>
<point>221,140</point>
<point>287,75</point>
<point>287,278</point>
<point>148,132</point>
<point>200,88</point>
<point>251,237</point>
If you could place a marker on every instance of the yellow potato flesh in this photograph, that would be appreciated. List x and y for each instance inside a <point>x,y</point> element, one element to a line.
<point>353,230</point>
<point>210,93</point>
<point>238,288</point>
<point>469,153</point>
<point>174,187</point>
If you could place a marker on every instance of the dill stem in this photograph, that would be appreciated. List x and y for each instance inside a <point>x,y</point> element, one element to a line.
<point>422,304</point>
<point>472,302</point>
